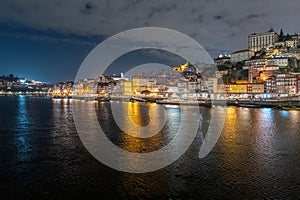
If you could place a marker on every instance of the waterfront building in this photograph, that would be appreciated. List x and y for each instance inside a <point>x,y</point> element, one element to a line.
<point>241,90</point>
<point>286,84</point>
<point>220,89</point>
<point>298,83</point>
<point>151,85</point>
<point>173,90</point>
<point>235,88</point>
<point>127,88</point>
<point>192,87</point>
<point>255,88</point>
<point>182,87</point>
<point>139,84</point>
<point>78,88</point>
<point>105,84</point>
<point>63,89</point>
<point>118,88</point>
<point>270,86</point>
<point>212,84</point>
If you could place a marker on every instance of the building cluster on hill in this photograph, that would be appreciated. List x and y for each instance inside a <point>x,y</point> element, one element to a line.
<point>11,84</point>
<point>268,68</point>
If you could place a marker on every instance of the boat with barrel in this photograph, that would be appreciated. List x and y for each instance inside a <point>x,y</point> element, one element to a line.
<point>290,107</point>
<point>188,102</point>
<point>103,98</point>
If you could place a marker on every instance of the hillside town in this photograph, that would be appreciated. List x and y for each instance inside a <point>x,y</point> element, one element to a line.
<point>14,85</point>
<point>268,69</point>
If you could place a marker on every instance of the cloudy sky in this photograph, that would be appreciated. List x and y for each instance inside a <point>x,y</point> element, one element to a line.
<point>48,40</point>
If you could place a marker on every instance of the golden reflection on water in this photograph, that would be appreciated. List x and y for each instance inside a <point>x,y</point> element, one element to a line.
<point>229,146</point>
<point>144,184</point>
<point>142,115</point>
<point>134,111</point>
<point>231,124</point>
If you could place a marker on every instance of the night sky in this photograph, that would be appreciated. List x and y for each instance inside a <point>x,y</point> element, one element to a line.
<point>48,40</point>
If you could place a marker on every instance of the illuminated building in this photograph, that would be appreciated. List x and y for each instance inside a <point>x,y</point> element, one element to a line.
<point>298,84</point>
<point>286,84</point>
<point>235,88</point>
<point>181,68</point>
<point>127,88</point>
<point>105,84</point>
<point>118,88</point>
<point>221,59</point>
<point>240,90</point>
<point>242,55</point>
<point>258,41</point>
<point>278,61</point>
<point>271,85</point>
<point>139,84</point>
<point>63,89</point>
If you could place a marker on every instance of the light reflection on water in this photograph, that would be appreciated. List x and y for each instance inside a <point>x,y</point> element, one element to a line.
<point>139,120</point>
<point>256,157</point>
<point>23,138</point>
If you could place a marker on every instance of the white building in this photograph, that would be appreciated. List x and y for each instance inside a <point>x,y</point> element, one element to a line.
<point>280,61</point>
<point>291,43</point>
<point>257,41</point>
<point>241,55</point>
<point>280,44</point>
<point>286,84</point>
<point>221,59</point>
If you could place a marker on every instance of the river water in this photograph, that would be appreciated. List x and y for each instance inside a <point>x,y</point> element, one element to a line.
<point>257,155</point>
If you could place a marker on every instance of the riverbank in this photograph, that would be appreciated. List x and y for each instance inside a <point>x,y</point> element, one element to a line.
<point>258,103</point>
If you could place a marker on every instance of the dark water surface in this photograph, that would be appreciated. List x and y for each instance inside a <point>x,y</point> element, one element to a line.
<point>41,156</point>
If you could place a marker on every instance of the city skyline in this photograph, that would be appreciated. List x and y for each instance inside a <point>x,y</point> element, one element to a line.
<point>49,41</point>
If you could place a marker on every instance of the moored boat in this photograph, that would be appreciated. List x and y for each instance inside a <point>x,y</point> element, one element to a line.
<point>103,98</point>
<point>290,108</point>
<point>139,99</point>
<point>62,97</point>
<point>189,102</point>
<point>247,105</point>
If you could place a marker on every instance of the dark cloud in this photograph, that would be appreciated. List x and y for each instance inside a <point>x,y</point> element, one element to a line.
<point>215,24</point>
<point>218,17</point>
<point>252,16</point>
<point>88,8</point>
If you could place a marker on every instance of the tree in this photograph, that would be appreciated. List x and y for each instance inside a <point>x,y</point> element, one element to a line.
<point>11,76</point>
<point>239,66</point>
<point>281,35</point>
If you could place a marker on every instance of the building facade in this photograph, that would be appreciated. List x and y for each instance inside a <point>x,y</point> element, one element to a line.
<point>241,55</point>
<point>257,41</point>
